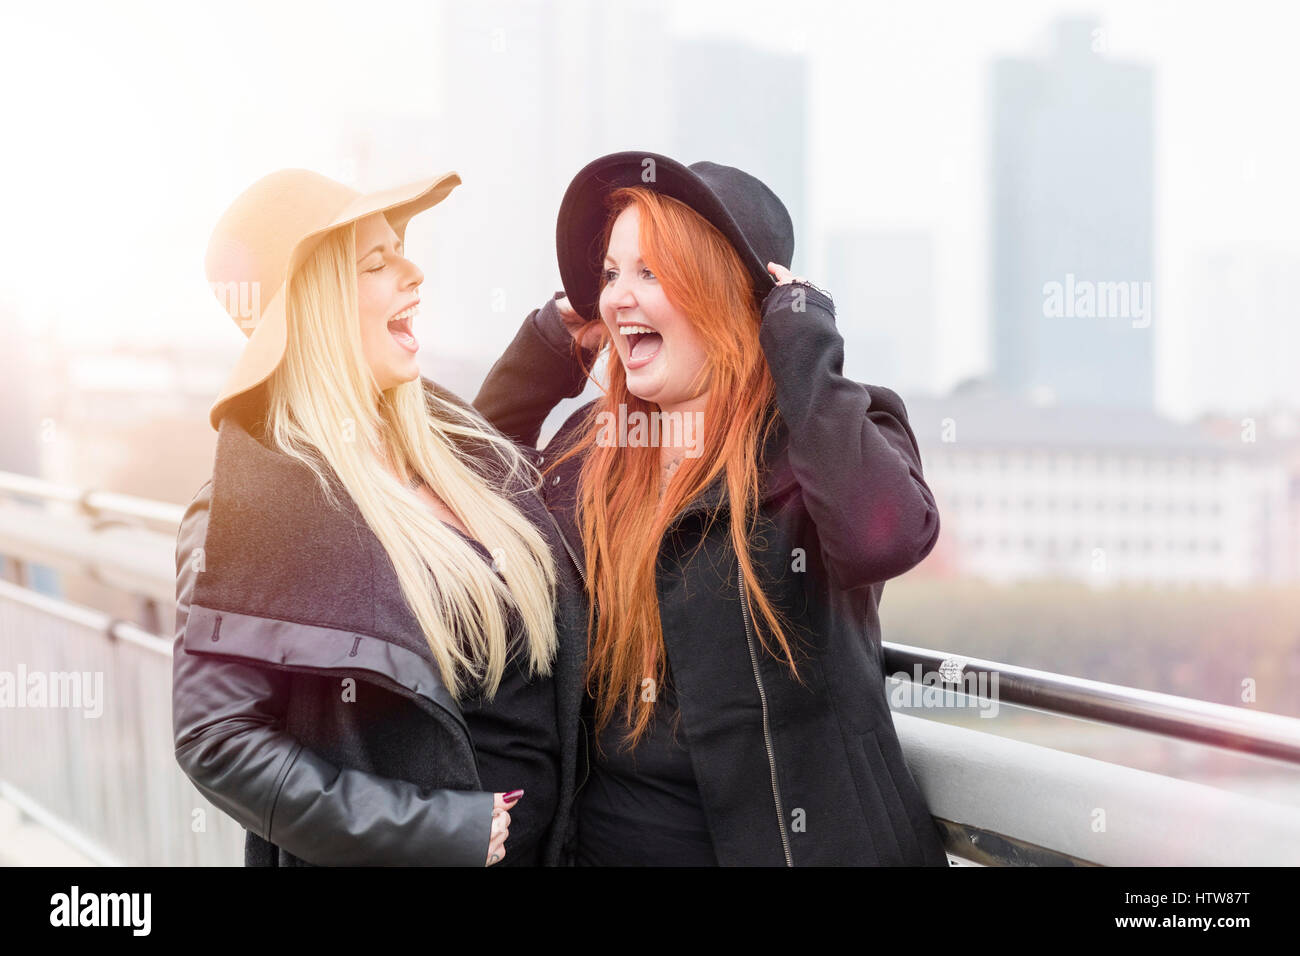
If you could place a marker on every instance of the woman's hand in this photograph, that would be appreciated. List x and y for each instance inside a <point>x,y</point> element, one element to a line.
<point>501,804</point>
<point>586,333</point>
<point>784,277</point>
<point>782,274</point>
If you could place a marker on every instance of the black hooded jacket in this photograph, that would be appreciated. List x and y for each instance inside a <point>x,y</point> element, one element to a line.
<point>788,774</point>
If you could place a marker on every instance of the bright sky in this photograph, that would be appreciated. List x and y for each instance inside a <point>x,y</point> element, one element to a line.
<point>129,127</point>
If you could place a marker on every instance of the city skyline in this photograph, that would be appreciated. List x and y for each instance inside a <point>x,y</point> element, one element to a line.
<point>895,141</point>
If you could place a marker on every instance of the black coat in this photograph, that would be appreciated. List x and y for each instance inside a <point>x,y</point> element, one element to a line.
<point>280,599</point>
<point>787,774</point>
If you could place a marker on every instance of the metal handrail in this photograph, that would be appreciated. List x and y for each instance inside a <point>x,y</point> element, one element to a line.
<point>1218,725</point>
<point>115,629</point>
<point>99,504</point>
<point>1230,728</point>
<point>974,783</point>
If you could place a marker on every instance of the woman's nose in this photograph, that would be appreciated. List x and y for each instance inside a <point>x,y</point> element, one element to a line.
<point>618,294</point>
<point>414,275</point>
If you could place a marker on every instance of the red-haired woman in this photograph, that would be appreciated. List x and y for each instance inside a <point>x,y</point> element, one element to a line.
<point>734,505</point>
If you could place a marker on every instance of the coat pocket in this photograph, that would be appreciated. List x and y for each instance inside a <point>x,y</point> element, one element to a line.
<point>886,815</point>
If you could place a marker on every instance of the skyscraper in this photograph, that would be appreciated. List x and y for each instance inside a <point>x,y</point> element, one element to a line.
<point>530,93</point>
<point>1072,170</point>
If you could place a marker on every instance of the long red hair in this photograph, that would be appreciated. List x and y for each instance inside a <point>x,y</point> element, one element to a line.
<point>622,517</point>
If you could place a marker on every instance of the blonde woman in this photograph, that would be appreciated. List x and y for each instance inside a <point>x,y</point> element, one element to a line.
<point>366,642</point>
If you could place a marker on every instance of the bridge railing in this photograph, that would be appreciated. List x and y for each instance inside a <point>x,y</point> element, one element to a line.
<point>87,748</point>
<point>1002,800</point>
<point>102,773</point>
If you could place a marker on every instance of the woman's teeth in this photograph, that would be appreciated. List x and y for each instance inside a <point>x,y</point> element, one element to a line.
<point>399,326</point>
<point>643,344</point>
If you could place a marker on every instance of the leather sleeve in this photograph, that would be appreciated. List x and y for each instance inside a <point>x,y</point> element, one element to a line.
<point>227,723</point>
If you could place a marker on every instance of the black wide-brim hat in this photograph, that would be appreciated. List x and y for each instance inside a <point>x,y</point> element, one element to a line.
<point>738,205</point>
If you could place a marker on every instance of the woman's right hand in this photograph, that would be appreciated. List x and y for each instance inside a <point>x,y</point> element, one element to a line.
<point>587,333</point>
<point>501,804</point>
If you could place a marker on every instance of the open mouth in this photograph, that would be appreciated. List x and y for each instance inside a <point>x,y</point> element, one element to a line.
<point>643,343</point>
<point>399,327</point>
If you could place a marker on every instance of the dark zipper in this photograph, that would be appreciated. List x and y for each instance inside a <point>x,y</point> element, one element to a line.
<point>767,734</point>
<point>758,680</point>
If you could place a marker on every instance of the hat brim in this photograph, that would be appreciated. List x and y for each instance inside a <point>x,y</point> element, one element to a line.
<point>265,346</point>
<point>583,214</point>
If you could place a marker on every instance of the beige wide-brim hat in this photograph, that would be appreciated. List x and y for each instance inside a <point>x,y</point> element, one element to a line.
<point>267,233</point>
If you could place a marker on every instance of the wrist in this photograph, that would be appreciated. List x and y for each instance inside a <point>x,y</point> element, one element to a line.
<point>550,325</point>
<point>814,287</point>
<point>795,296</point>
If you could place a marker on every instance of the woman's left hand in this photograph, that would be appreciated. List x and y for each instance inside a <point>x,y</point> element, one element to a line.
<point>586,333</point>
<point>782,274</point>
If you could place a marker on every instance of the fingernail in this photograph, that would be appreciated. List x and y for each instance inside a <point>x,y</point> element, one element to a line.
<point>512,796</point>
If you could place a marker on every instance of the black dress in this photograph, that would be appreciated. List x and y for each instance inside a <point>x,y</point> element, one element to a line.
<point>517,744</point>
<point>641,807</point>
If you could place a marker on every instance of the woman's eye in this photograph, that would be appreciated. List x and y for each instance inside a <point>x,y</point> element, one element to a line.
<point>611,275</point>
<point>377,268</point>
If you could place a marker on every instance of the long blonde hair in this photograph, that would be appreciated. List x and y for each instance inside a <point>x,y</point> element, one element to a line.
<point>325,409</point>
